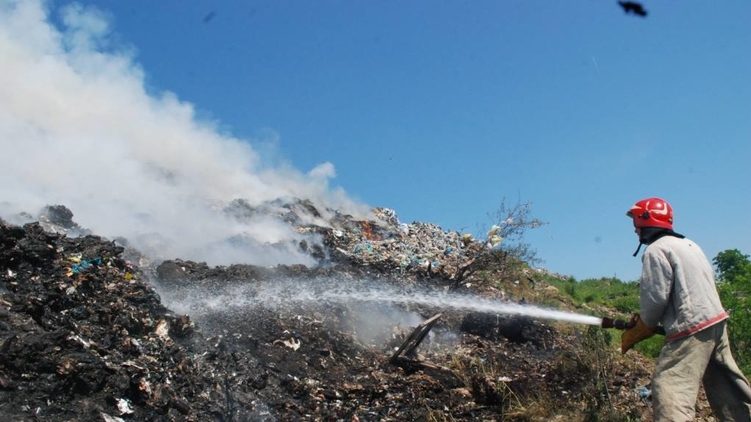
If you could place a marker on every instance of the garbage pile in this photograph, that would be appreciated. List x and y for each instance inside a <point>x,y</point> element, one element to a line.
<point>383,243</point>
<point>418,248</point>
<point>88,335</point>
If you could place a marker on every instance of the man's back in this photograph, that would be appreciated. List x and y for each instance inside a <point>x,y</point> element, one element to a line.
<point>678,288</point>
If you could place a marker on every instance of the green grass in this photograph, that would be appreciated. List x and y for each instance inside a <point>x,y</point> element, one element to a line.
<point>609,292</point>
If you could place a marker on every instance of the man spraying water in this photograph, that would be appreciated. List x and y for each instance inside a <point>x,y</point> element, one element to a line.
<point>677,289</point>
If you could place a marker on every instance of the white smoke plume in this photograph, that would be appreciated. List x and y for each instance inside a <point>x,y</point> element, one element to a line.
<point>79,128</point>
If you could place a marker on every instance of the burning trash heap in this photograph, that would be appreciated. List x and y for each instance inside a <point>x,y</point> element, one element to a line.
<point>91,330</point>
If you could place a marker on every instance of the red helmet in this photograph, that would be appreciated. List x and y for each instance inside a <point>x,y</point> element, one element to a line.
<point>652,212</point>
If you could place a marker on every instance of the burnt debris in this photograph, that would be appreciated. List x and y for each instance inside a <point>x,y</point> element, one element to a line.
<point>86,334</point>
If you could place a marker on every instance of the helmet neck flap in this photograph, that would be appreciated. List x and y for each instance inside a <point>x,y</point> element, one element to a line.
<point>649,235</point>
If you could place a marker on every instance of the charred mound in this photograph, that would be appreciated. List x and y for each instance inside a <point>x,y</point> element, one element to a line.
<point>88,335</point>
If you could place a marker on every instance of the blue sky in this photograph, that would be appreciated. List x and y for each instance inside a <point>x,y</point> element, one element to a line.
<point>439,110</point>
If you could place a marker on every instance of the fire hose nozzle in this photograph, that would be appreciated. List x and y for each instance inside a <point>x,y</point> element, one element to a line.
<point>618,324</point>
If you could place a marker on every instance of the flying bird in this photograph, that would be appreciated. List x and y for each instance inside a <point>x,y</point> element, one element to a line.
<point>633,7</point>
<point>209,17</point>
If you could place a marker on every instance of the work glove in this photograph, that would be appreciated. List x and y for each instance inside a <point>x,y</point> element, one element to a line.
<point>637,333</point>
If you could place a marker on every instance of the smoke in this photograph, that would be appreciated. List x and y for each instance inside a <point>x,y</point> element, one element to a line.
<point>78,127</point>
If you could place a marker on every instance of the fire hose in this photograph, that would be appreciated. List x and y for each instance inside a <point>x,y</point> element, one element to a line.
<point>620,324</point>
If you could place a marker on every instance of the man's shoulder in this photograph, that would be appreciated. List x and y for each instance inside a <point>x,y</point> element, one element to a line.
<point>666,244</point>
<point>673,240</point>
<point>673,247</point>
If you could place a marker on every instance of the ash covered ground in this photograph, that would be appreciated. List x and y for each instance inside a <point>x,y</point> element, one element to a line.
<point>93,330</point>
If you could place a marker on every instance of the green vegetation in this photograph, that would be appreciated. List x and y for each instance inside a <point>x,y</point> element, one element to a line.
<point>734,276</point>
<point>608,292</point>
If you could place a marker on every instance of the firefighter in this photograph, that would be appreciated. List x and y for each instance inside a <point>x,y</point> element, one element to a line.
<point>677,290</point>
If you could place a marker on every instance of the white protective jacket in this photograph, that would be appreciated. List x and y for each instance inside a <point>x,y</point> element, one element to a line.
<point>678,288</point>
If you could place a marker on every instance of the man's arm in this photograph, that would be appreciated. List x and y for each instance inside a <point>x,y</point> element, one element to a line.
<point>655,287</point>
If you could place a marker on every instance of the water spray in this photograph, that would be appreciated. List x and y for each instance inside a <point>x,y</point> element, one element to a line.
<point>472,303</point>
<point>460,303</point>
<point>281,294</point>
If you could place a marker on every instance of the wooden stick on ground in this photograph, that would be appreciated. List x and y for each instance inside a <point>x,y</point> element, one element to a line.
<point>414,339</point>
